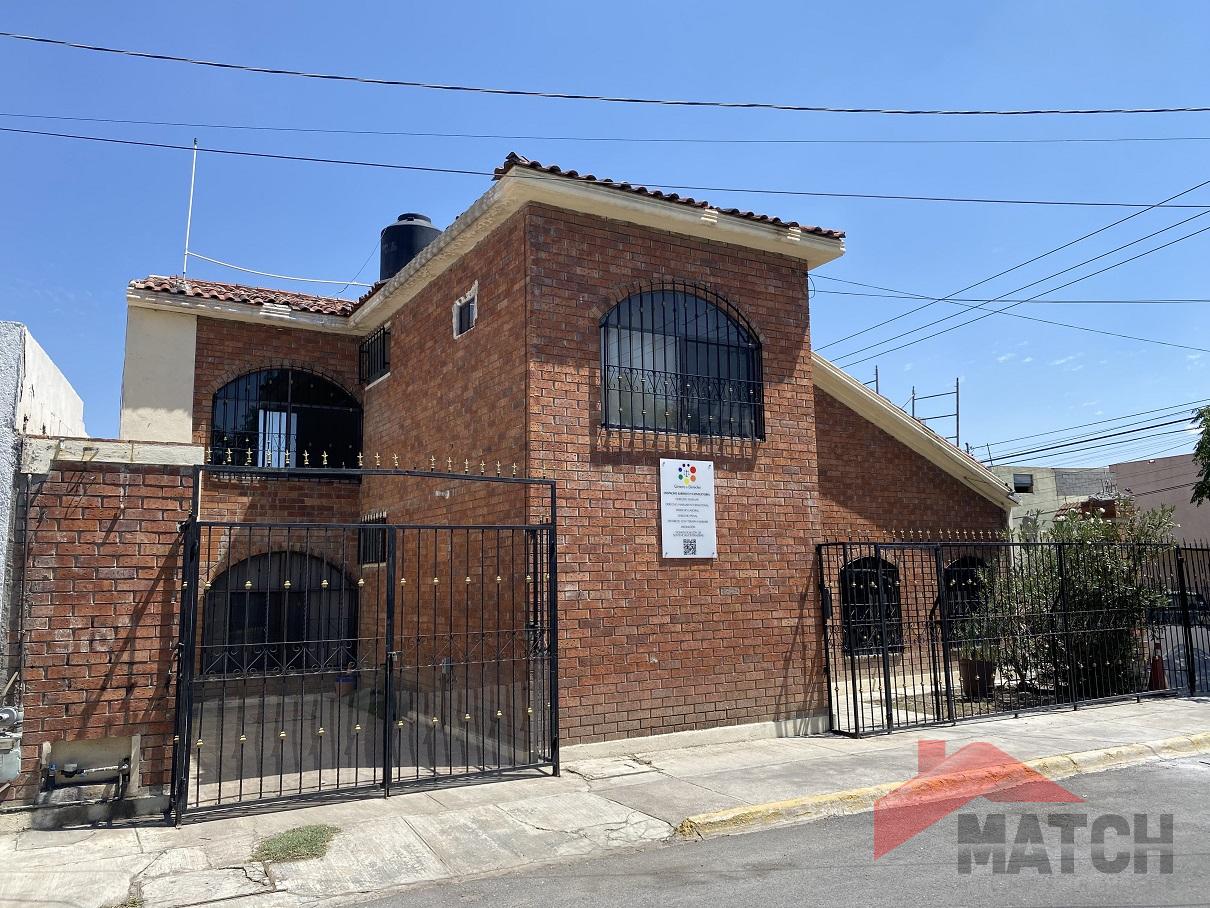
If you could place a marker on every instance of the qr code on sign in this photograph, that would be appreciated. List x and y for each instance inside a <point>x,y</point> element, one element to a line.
<point>690,547</point>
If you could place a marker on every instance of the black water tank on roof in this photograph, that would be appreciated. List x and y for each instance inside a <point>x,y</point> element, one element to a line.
<point>402,241</point>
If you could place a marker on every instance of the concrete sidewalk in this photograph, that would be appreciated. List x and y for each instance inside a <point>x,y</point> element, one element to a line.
<point>609,796</point>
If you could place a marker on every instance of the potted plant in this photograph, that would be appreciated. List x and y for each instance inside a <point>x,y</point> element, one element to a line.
<point>977,640</point>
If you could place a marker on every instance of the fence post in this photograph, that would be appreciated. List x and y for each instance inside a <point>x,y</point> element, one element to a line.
<point>887,697</point>
<point>186,645</point>
<point>943,609</point>
<point>825,611</point>
<point>1187,622</point>
<point>1067,638</point>
<point>552,626</point>
<point>388,667</point>
<point>848,641</point>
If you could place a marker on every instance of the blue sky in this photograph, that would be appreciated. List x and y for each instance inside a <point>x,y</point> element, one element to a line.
<point>83,219</point>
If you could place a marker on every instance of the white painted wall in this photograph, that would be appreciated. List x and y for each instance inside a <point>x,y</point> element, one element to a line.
<point>157,379</point>
<point>47,404</point>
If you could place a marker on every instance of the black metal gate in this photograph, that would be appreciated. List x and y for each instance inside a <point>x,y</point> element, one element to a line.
<point>918,634</point>
<point>327,657</point>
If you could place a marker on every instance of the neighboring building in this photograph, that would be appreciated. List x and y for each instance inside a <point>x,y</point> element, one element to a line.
<point>1166,481</point>
<point>562,327</point>
<point>1042,492</point>
<point>35,399</point>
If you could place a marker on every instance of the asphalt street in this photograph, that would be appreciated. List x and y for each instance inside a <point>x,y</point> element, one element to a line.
<point>831,862</point>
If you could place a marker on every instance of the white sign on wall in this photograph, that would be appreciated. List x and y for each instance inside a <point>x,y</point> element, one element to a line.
<point>687,525</point>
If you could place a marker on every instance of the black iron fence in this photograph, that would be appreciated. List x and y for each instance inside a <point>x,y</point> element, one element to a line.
<point>924,633</point>
<point>310,664</point>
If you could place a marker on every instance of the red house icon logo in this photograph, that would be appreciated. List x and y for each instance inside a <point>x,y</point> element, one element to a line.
<point>944,784</point>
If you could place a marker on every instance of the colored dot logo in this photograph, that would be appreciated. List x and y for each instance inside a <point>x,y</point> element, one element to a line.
<point>686,474</point>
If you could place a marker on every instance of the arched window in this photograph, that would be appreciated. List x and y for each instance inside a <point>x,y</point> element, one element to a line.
<point>678,358</point>
<point>863,610</point>
<point>285,418</point>
<point>965,581</point>
<point>279,612</point>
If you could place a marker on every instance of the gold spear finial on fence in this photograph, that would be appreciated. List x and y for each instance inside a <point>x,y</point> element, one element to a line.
<point>482,466</point>
<point>449,465</point>
<point>377,460</point>
<point>248,457</point>
<point>514,469</point>
<point>287,458</point>
<point>360,460</point>
<point>228,455</point>
<point>306,459</point>
<point>497,468</point>
<point>466,465</point>
<point>324,457</point>
<point>396,461</point>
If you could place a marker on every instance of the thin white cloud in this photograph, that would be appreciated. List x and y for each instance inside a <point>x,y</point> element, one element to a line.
<point>1005,357</point>
<point>1028,359</point>
<point>1064,360</point>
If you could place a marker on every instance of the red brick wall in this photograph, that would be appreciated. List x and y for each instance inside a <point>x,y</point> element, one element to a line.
<point>872,485</point>
<point>648,644</point>
<point>103,574</point>
<point>458,400</point>
<point>229,349</point>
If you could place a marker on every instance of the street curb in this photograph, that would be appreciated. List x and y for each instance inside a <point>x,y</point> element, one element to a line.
<point>860,800</point>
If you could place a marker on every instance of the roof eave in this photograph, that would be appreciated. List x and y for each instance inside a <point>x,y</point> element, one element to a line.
<point>278,316</point>
<point>518,187</point>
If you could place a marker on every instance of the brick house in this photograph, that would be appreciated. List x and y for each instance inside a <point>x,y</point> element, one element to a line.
<point>563,328</point>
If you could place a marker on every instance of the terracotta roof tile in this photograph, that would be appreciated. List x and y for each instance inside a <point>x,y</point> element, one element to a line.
<point>239,293</point>
<point>515,160</point>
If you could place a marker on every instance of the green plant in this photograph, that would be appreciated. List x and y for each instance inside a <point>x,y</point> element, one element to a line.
<point>296,844</point>
<point>1070,611</point>
<point>977,636</point>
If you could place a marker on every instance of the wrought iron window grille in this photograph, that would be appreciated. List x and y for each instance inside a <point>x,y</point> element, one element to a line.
<point>285,419</point>
<point>678,358</point>
<point>374,354</point>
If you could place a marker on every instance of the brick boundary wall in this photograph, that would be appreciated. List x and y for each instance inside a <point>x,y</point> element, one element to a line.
<point>102,584</point>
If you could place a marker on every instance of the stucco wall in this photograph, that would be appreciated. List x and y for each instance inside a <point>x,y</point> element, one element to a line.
<point>12,343</point>
<point>1166,481</point>
<point>157,378</point>
<point>47,403</point>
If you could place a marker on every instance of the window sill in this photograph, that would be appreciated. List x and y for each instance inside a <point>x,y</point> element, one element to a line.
<point>377,381</point>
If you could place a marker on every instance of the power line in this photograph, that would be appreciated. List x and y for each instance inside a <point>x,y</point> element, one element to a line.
<point>1192,403</point>
<point>912,297</point>
<point>1044,321</point>
<point>572,96</point>
<point>1111,444</point>
<point>686,140</point>
<point>1051,290</point>
<point>1016,267</point>
<point>521,174</point>
<point>1184,485</point>
<point>283,277</point>
<point>1079,441</point>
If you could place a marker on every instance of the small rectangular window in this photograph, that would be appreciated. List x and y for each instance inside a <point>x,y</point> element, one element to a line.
<point>372,540</point>
<point>375,354</point>
<point>466,316</point>
<point>1023,482</point>
<point>466,311</point>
